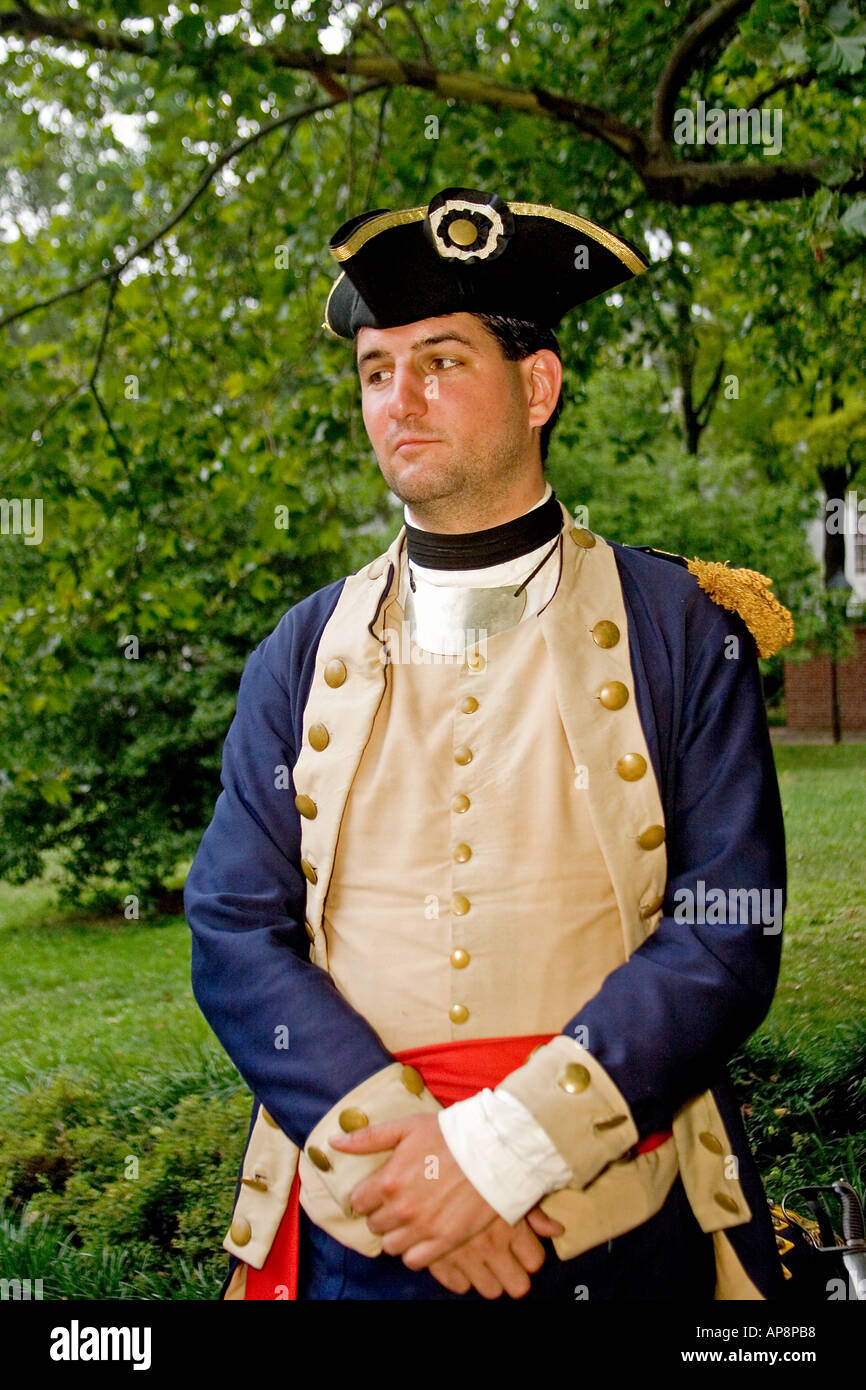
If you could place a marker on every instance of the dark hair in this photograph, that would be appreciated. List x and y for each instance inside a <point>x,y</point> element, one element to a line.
<point>518,338</point>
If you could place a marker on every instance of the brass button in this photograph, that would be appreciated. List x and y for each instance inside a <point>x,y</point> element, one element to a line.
<point>631,767</point>
<point>240,1230</point>
<point>475,661</point>
<point>462,853</point>
<point>585,539</point>
<point>711,1142</point>
<point>613,695</point>
<point>458,1013</point>
<point>459,905</point>
<point>462,231</point>
<point>468,705</point>
<point>725,1202</point>
<point>318,1159</point>
<point>460,958</point>
<point>412,1080</point>
<point>353,1118</point>
<point>307,806</point>
<point>318,737</point>
<point>651,908</point>
<point>652,837</point>
<point>575,1078</point>
<point>463,755</point>
<point>268,1117</point>
<point>460,803</point>
<point>308,871</point>
<point>335,672</point>
<point>605,634</point>
<point>309,930</point>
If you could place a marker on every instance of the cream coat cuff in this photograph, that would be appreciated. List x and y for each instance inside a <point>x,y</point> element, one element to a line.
<point>576,1103</point>
<point>328,1177</point>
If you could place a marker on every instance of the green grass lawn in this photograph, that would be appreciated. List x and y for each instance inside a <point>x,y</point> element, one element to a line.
<point>104,1056</point>
<point>823,981</point>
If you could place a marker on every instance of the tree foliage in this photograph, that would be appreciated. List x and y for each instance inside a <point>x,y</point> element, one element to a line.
<point>170,179</point>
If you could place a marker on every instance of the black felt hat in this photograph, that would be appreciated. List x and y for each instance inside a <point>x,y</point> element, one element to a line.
<point>469,251</point>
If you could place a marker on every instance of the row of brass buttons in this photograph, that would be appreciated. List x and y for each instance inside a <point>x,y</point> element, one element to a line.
<point>318,738</point>
<point>460,958</point>
<point>614,695</point>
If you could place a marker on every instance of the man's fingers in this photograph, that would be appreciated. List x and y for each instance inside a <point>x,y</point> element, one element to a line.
<point>542,1224</point>
<point>480,1276</point>
<point>527,1248</point>
<point>420,1254</point>
<point>450,1277</point>
<point>371,1139</point>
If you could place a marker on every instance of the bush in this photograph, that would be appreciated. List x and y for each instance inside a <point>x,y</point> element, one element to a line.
<point>121,1192</point>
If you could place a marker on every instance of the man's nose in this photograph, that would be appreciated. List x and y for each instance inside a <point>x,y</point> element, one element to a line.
<point>406,396</point>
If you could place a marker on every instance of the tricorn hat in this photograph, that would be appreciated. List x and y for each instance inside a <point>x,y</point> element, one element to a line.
<point>469,251</point>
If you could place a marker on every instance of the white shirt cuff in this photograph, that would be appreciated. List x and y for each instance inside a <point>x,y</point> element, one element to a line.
<point>503,1151</point>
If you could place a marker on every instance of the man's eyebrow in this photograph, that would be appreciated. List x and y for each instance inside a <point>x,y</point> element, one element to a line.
<point>420,343</point>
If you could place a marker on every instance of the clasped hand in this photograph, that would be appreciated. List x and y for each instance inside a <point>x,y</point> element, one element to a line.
<point>427,1211</point>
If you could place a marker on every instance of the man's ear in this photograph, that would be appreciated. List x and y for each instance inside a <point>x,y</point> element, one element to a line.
<point>543,375</point>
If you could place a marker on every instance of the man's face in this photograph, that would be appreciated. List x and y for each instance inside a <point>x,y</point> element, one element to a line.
<point>447,415</point>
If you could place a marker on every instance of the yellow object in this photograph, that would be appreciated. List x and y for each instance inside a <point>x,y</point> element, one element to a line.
<point>747,592</point>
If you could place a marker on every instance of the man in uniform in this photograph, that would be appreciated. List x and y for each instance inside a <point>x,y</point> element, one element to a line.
<point>511,788</point>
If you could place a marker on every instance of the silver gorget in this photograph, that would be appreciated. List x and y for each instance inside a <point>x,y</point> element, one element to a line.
<point>448,619</point>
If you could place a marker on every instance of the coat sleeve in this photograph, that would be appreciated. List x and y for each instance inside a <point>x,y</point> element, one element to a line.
<point>295,1040</point>
<point>664,1024</point>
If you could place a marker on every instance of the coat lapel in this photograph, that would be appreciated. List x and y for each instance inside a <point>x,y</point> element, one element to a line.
<point>586,631</point>
<point>347,687</point>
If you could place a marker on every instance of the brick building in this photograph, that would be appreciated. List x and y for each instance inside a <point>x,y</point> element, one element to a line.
<point>808,698</point>
<point>807,691</point>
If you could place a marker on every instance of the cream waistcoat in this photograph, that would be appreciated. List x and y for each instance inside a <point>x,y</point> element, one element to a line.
<point>469,895</point>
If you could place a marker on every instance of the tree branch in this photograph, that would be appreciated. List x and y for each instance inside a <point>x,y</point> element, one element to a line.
<point>704,410</point>
<point>797,79</point>
<point>116,267</point>
<point>413,25</point>
<point>694,184</point>
<point>708,27</point>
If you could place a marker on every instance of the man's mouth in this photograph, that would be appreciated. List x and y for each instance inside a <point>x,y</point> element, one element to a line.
<point>413,443</point>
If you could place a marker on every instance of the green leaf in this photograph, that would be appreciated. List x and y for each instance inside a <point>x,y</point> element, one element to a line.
<point>853,218</point>
<point>844,53</point>
<point>793,49</point>
<point>55,791</point>
<point>234,384</point>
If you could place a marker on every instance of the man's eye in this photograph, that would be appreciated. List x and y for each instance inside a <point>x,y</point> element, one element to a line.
<point>448,361</point>
<point>373,378</point>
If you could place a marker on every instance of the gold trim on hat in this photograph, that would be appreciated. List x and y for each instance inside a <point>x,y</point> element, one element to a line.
<point>326,322</point>
<point>401,218</point>
<point>607,239</point>
<point>404,216</point>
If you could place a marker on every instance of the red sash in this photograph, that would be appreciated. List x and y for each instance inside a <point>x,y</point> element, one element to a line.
<point>452,1071</point>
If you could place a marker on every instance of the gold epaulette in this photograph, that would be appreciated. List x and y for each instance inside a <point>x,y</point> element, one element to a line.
<point>747,592</point>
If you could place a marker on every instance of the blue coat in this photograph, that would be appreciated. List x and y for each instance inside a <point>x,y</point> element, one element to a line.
<point>664,1024</point>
